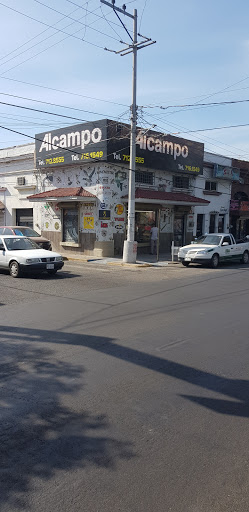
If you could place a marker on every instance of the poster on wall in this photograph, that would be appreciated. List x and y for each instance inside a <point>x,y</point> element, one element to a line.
<point>88,222</point>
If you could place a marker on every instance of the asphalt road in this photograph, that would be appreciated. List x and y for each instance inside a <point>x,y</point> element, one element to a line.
<point>125,390</point>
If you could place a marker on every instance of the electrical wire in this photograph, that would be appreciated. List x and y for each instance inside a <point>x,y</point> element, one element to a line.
<point>56,90</point>
<point>210,141</point>
<point>47,25</point>
<point>76,21</point>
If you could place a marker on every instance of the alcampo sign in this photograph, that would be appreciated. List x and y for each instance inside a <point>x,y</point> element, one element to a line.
<point>104,140</point>
<point>71,145</point>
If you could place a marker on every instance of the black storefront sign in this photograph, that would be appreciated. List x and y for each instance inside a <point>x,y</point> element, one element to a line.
<point>157,151</point>
<point>109,141</point>
<point>78,144</point>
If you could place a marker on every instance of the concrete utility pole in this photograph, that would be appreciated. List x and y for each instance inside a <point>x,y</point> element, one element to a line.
<point>130,246</point>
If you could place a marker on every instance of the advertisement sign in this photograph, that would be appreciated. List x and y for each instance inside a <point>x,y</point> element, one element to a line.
<point>88,222</point>
<point>104,214</point>
<point>156,150</point>
<point>226,173</point>
<point>107,140</point>
<point>78,144</point>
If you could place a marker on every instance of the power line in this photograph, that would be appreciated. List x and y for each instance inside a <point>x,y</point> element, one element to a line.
<point>196,105</point>
<point>53,104</point>
<point>210,141</point>
<point>35,37</point>
<point>47,25</point>
<point>77,21</point>
<point>57,90</point>
<point>211,129</point>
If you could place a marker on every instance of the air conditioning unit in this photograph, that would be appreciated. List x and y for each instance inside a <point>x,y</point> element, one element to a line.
<point>21,181</point>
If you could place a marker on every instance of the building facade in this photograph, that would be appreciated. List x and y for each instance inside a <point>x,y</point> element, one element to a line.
<point>72,187</point>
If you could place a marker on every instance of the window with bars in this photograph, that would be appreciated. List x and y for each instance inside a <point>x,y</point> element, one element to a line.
<point>211,185</point>
<point>147,178</point>
<point>181,182</point>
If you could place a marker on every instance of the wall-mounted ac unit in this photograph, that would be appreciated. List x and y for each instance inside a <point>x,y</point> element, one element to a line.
<point>21,181</point>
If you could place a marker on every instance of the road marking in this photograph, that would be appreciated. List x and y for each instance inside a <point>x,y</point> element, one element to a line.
<point>172,344</point>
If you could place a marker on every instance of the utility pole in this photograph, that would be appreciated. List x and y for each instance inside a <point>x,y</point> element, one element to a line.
<point>130,246</point>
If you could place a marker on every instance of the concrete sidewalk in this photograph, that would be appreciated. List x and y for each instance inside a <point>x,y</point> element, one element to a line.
<point>144,260</point>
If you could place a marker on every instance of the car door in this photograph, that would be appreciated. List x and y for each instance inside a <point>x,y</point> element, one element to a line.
<point>225,250</point>
<point>3,256</point>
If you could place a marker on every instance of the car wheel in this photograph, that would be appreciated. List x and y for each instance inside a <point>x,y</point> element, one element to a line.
<point>185,263</point>
<point>245,258</point>
<point>215,261</point>
<point>52,272</point>
<point>14,269</point>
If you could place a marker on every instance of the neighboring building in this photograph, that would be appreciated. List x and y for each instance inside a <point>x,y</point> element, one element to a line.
<point>239,207</point>
<point>17,181</point>
<point>215,185</point>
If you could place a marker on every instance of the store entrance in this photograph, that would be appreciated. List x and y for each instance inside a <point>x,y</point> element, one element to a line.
<point>179,225</point>
<point>144,221</point>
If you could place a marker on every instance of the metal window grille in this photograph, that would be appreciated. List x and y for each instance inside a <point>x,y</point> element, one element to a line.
<point>21,181</point>
<point>180,182</point>
<point>146,178</point>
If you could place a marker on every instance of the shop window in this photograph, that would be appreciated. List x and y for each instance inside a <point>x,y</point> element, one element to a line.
<point>70,225</point>
<point>146,178</point>
<point>180,182</point>
<point>211,186</point>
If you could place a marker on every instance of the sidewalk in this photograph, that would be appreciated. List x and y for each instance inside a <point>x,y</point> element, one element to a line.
<point>144,260</point>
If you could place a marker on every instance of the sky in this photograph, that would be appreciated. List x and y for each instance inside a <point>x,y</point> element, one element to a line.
<point>193,82</point>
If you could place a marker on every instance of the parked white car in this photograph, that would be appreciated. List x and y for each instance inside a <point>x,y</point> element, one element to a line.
<point>20,255</point>
<point>213,248</point>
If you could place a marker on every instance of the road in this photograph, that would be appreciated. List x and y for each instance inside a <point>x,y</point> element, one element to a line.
<point>125,390</point>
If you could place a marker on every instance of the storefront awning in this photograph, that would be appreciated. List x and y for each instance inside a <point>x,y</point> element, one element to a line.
<point>65,194</point>
<point>2,207</point>
<point>144,195</point>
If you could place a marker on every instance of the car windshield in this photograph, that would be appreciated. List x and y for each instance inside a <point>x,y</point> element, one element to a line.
<point>24,231</point>
<point>209,240</point>
<point>20,244</point>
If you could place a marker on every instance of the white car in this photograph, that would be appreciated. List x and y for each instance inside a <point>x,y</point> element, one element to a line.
<point>214,248</point>
<point>20,255</point>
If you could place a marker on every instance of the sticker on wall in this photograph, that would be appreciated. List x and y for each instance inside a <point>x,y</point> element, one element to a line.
<point>88,222</point>
<point>104,224</point>
<point>46,225</point>
<point>105,214</point>
<point>119,209</point>
<point>56,226</point>
<point>119,226</point>
<point>102,206</point>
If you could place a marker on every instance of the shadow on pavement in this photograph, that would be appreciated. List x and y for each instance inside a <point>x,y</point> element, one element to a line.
<point>39,435</point>
<point>237,389</point>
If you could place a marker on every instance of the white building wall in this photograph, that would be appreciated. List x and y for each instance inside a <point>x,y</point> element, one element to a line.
<point>219,204</point>
<point>17,162</point>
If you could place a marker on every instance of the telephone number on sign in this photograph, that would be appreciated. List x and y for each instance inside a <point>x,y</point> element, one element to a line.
<point>57,160</point>
<point>139,159</point>
<point>192,169</point>
<point>94,154</point>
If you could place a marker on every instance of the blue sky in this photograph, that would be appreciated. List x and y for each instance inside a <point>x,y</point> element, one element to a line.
<point>55,61</point>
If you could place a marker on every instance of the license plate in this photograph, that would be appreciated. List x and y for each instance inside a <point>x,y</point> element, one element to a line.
<point>187,258</point>
<point>49,266</point>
